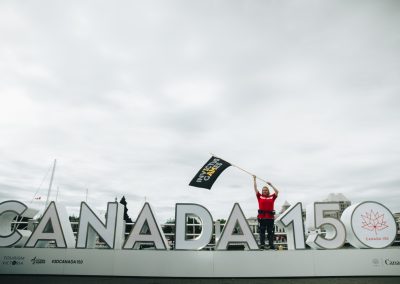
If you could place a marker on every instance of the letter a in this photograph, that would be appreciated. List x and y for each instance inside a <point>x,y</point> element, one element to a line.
<point>62,234</point>
<point>156,235</point>
<point>236,217</point>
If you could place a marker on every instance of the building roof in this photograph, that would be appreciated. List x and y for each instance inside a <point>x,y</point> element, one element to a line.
<point>336,197</point>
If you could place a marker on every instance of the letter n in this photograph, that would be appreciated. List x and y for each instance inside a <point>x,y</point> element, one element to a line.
<point>90,226</point>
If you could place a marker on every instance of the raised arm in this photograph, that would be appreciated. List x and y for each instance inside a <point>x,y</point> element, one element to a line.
<point>274,188</point>
<point>255,184</point>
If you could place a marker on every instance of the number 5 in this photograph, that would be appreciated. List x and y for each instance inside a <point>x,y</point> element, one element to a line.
<point>325,232</point>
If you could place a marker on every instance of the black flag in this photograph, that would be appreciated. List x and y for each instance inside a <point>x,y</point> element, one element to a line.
<point>209,173</point>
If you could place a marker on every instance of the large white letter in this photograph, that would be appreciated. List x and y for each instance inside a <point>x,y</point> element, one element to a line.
<point>55,216</point>
<point>245,237</point>
<point>369,225</point>
<point>90,226</point>
<point>181,212</point>
<point>156,236</point>
<point>8,211</point>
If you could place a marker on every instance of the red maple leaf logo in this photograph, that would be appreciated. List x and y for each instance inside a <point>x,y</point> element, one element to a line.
<point>373,221</point>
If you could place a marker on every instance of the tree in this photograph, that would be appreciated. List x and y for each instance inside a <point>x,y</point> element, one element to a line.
<point>126,216</point>
<point>168,229</point>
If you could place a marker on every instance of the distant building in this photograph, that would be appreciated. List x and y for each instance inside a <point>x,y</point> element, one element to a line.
<point>285,207</point>
<point>343,203</point>
<point>397,219</point>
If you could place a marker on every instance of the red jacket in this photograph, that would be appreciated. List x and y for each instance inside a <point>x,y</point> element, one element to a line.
<point>266,203</point>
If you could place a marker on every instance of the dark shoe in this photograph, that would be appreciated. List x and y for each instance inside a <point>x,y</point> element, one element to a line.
<point>273,248</point>
<point>261,247</point>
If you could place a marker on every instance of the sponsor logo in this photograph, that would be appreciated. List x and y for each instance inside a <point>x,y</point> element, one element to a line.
<point>375,262</point>
<point>392,262</point>
<point>67,261</point>
<point>36,260</point>
<point>13,260</point>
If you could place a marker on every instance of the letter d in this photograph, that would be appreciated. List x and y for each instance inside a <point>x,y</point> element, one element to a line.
<point>182,210</point>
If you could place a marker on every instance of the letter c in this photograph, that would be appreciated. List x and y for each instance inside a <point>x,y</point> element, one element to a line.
<point>8,211</point>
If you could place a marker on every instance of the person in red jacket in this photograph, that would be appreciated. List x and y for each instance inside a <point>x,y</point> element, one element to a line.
<point>266,213</point>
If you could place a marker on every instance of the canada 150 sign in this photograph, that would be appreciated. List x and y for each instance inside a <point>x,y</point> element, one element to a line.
<point>364,225</point>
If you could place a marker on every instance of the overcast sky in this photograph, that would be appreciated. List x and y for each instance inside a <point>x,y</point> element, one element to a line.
<point>130,97</point>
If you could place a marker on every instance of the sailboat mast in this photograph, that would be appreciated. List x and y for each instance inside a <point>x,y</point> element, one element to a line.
<point>50,184</point>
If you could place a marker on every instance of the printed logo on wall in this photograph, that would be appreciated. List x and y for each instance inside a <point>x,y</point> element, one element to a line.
<point>375,262</point>
<point>392,262</point>
<point>13,260</point>
<point>374,221</point>
<point>36,260</point>
<point>67,261</point>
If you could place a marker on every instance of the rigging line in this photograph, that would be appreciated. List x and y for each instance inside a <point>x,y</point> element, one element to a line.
<point>37,190</point>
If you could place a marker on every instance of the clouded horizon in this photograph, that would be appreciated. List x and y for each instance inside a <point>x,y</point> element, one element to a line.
<point>130,97</point>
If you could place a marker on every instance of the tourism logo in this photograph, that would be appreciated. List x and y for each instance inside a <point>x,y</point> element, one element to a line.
<point>13,260</point>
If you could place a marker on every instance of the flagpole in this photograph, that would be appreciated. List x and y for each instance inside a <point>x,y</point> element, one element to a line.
<point>50,184</point>
<point>58,189</point>
<point>240,168</point>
